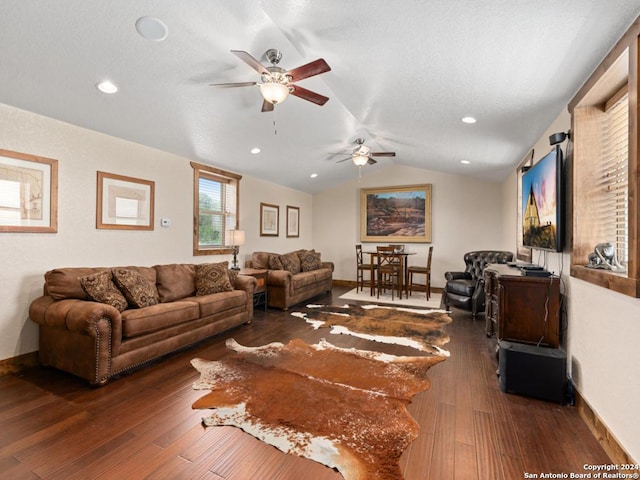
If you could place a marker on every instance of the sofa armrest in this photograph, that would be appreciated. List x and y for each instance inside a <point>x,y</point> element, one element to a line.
<point>282,279</point>
<point>246,283</point>
<point>457,276</point>
<point>78,316</point>
<point>328,265</point>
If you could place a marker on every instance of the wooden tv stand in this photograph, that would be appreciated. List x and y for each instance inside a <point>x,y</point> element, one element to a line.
<point>522,308</point>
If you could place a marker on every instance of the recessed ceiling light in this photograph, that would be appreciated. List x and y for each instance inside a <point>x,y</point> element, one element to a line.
<point>255,150</point>
<point>151,28</point>
<point>465,162</point>
<point>313,175</point>
<point>107,86</point>
<point>469,120</point>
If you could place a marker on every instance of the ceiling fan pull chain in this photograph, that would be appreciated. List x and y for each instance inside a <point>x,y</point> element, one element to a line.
<point>275,129</point>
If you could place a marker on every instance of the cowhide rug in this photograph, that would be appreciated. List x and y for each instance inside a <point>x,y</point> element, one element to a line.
<point>344,408</point>
<point>417,328</point>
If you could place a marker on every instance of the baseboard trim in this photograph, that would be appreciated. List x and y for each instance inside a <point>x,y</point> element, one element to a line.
<point>344,283</point>
<point>600,430</point>
<point>16,364</point>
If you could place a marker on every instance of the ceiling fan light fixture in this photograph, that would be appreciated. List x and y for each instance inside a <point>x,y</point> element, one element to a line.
<point>360,160</point>
<point>274,92</point>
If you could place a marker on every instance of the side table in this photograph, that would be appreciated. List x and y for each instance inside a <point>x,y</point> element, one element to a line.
<point>260,293</point>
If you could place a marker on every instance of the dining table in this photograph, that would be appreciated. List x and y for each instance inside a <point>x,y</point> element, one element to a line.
<point>402,257</point>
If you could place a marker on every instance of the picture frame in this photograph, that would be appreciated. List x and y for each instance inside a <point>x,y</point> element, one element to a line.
<point>269,220</point>
<point>124,203</point>
<point>28,193</point>
<point>293,221</point>
<point>396,214</point>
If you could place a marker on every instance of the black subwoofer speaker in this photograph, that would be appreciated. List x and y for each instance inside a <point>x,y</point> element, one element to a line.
<point>532,371</point>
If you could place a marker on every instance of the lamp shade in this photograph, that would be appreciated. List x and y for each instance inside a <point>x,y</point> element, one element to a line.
<point>235,237</point>
<point>274,92</point>
<point>360,160</point>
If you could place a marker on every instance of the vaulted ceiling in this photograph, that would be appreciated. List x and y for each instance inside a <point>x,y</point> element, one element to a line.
<point>403,74</point>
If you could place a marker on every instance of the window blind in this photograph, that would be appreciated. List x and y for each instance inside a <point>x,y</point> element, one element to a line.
<point>612,180</point>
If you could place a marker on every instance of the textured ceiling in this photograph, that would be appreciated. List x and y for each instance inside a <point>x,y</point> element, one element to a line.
<point>403,75</point>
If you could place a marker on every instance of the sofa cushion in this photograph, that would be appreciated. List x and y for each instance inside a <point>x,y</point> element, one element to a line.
<point>212,278</point>
<point>136,288</point>
<point>309,260</point>
<point>175,281</point>
<point>141,321</point>
<point>100,288</point>
<point>291,262</point>
<point>260,260</point>
<point>63,283</point>
<point>304,279</point>
<point>219,302</point>
<point>461,286</point>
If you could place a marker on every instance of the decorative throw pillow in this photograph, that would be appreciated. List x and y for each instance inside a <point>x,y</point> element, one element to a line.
<point>233,276</point>
<point>138,290</point>
<point>100,288</point>
<point>309,260</point>
<point>290,262</point>
<point>212,278</point>
<point>275,263</point>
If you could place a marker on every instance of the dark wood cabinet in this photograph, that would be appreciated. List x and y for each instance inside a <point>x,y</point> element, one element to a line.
<point>522,308</point>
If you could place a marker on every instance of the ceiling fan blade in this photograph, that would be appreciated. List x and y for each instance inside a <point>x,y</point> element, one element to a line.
<point>309,70</point>
<point>344,160</point>
<point>383,154</point>
<point>267,106</point>
<point>237,84</point>
<point>372,161</point>
<point>249,60</point>
<point>308,95</point>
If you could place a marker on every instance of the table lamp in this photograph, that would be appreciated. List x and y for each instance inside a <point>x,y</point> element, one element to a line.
<point>235,238</point>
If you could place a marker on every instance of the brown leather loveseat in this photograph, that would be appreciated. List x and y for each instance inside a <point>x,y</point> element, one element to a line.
<point>99,322</point>
<point>293,277</point>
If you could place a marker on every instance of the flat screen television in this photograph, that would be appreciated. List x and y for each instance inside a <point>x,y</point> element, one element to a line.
<point>542,213</point>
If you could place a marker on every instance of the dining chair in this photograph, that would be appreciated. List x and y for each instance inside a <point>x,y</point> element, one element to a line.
<point>389,270</point>
<point>418,270</point>
<point>363,268</point>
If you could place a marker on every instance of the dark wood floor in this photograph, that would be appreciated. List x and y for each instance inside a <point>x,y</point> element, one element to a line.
<point>54,426</point>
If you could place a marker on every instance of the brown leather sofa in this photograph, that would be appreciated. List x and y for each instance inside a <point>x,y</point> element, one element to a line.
<point>302,276</point>
<point>96,341</point>
<point>466,289</point>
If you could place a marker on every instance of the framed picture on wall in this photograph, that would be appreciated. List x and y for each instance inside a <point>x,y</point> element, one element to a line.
<point>396,214</point>
<point>28,193</point>
<point>124,203</point>
<point>269,221</point>
<point>293,221</point>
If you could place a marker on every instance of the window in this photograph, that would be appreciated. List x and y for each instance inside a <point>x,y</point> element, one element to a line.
<point>215,208</point>
<point>605,163</point>
<point>612,181</point>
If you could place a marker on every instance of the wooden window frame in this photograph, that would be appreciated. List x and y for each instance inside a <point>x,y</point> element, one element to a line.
<point>206,171</point>
<point>620,66</point>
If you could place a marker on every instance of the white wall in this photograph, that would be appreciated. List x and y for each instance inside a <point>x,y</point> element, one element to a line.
<point>466,215</point>
<point>25,257</point>
<point>603,328</point>
<point>254,191</point>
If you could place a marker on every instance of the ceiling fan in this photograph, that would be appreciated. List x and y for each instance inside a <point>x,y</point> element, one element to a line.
<point>277,83</point>
<point>363,155</point>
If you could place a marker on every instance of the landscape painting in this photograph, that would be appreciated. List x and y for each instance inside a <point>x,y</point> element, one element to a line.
<point>396,214</point>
